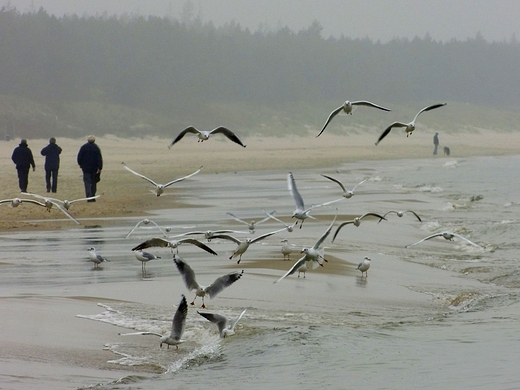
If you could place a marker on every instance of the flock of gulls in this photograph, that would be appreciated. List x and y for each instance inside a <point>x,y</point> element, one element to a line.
<point>311,257</point>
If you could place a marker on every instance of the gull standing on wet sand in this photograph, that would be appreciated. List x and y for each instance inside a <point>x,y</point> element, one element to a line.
<point>178,325</point>
<point>448,236</point>
<point>204,135</point>
<point>188,275</point>
<point>286,249</point>
<point>310,254</point>
<point>364,266</point>
<point>408,127</point>
<point>347,108</point>
<point>222,323</point>
<point>159,188</point>
<point>356,222</point>
<point>95,257</point>
<point>144,257</point>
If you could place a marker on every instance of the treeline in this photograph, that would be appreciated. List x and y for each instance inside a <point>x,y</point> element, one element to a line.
<point>182,71</point>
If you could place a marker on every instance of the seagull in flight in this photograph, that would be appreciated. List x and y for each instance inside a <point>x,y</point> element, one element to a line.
<point>204,135</point>
<point>252,224</point>
<point>159,188</point>
<point>312,254</point>
<point>448,236</point>
<point>347,194</point>
<point>164,243</point>
<point>347,108</point>
<point>50,202</point>
<point>15,202</point>
<point>401,213</point>
<point>95,257</point>
<point>408,127</point>
<point>146,221</point>
<point>178,325</point>
<point>356,222</point>
<point>364,266</point>
<point>188,275</point>
<point>243,245</point>
<point>222,323</point>
<point>209,234</point>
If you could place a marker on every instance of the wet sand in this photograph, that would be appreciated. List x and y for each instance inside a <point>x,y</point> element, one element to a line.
<point>42,337</point>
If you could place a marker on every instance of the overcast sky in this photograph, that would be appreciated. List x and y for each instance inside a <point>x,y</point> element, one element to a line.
<point>496,20</point>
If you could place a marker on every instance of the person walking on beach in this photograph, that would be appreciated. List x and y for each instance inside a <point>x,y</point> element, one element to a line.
<point>23,158</point>
<point>91,163</point>
<point>52,164</point>
<point>436,143</point>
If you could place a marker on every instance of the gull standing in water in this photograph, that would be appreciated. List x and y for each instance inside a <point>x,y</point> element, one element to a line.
<point>347,194</point>
<point>408,127</point>
<point>242,245</point>
<point>178,325</point>
<point>448,236</point>
<point>401,213</point>
<point>252,224</point>
<point>144,257</point>
<point>188,275</point>
<point>347,108</point>
<point>50,202</point>
<point>222,323</point>
<point>356,222</point>
<point>364,266</point>
<point>95,257</point>
<point>286,249</point>
<point>163,243</point>
<point>159,188</point>
<point>146,221</point>
<point>312,254</point>
<point>204,135</point>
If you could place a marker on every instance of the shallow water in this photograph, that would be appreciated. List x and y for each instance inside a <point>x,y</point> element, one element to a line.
<point>437,315</point>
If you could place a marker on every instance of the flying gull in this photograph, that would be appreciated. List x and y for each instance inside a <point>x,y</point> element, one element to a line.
<point>222,323</point>
<point>188,275</point>
<point>347,108</point>
<point>146,221</point>
<point>408,127</point>
<point>15,202</point>
<point>252,224</point>
<point>448,236</point>
<point>204,135</point>
<point>163,243</point>
<point>243,245</point>
<point>159,188</point>
<point>209,234</point>
<point>401,213</point>
<point>347,194</point>
<point>178,325</point>
<point>356,222</point>
<point>50,202</point>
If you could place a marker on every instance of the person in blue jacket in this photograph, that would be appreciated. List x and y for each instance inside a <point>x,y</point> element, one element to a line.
<point>23,158</point>
<point>90,161</point>
<point>52,164</point>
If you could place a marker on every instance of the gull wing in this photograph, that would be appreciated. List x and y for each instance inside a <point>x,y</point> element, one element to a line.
<point>189,129</point>
<point>424,239</point>
<point>179,319</point>
<point>387,130</point>
<point>335,181</point>
<point>228,133</point>
<point>187,273</point>
<point>361,182</point>
<point>227,237</point>
<point>261,237</point>
<point>195,242</point>
<point>236,218</point>
<point>269,216</point>
<point>373,215</point>
<point>138,174</point>
<point>324,235</point>
<point>331,116</point>
<point>339,228</point>
<point>468,241</point>
<point>235,322</point>
<point>141,334</point>
<point>294,268</point>
<point>62,209</point>
<point>369,104</point>
<point>156,241</point>
<point>291,184</point>
<point>217,319</point>
<point>432,107</point>
<point>182,178</point>
<point>221,283</point>
<point>80,199</point>
<point>140,222</point>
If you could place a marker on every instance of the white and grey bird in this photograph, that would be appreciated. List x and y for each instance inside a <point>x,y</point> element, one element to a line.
<point>173,244</point>
<point>178,326</point>
<point>347,194</point>
<point>209,234</point>
<point>312,254</point>
<point>188,275</point>
<point>147,221</point>
<point>289,228</point>
<point>448,236</point>
<point>347,108</point>
<point>408,127</point>
<point>286,249</point>
<point>400,214</point>
<point>144,257</point>
<point>204,135</point>
<point>15,202</point>
<point>356,222</point>
<point>243,245</point>
<point>364,266</point>
<point>95,257</point>
<point>159,188</point>
<point>251,225</point>
<point>50,202</point>
<point>303,269</point>
<point>224,327</point>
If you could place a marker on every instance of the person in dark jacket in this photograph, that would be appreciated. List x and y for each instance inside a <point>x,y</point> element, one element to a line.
<point>52,164</point>
<point>91,163</point>
<point>23,158</point>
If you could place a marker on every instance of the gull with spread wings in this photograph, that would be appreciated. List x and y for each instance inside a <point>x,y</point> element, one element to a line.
<point>243,245</point>
<point>448,236</point>
<point>356,222</point>
<point>251,225</point>
<point>204,135</point>
<point>347,194</point>
<point>164,243</point>
<point>222,323</point>
<point>50,202</point>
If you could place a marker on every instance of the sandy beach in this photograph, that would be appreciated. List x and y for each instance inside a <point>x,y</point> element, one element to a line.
<point>41,336</point>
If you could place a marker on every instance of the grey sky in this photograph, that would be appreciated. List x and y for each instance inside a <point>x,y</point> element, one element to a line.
<point>496,20</point>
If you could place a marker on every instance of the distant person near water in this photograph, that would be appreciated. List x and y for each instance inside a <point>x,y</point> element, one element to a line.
<point>23,158</point>
<point>436,143</point>
<point>52,164</point>
<point>91,163</point>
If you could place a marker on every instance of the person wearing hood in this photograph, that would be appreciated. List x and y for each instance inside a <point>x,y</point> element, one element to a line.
<point>23,159</point>
<point>91,163</point>
<point>52,164</point>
